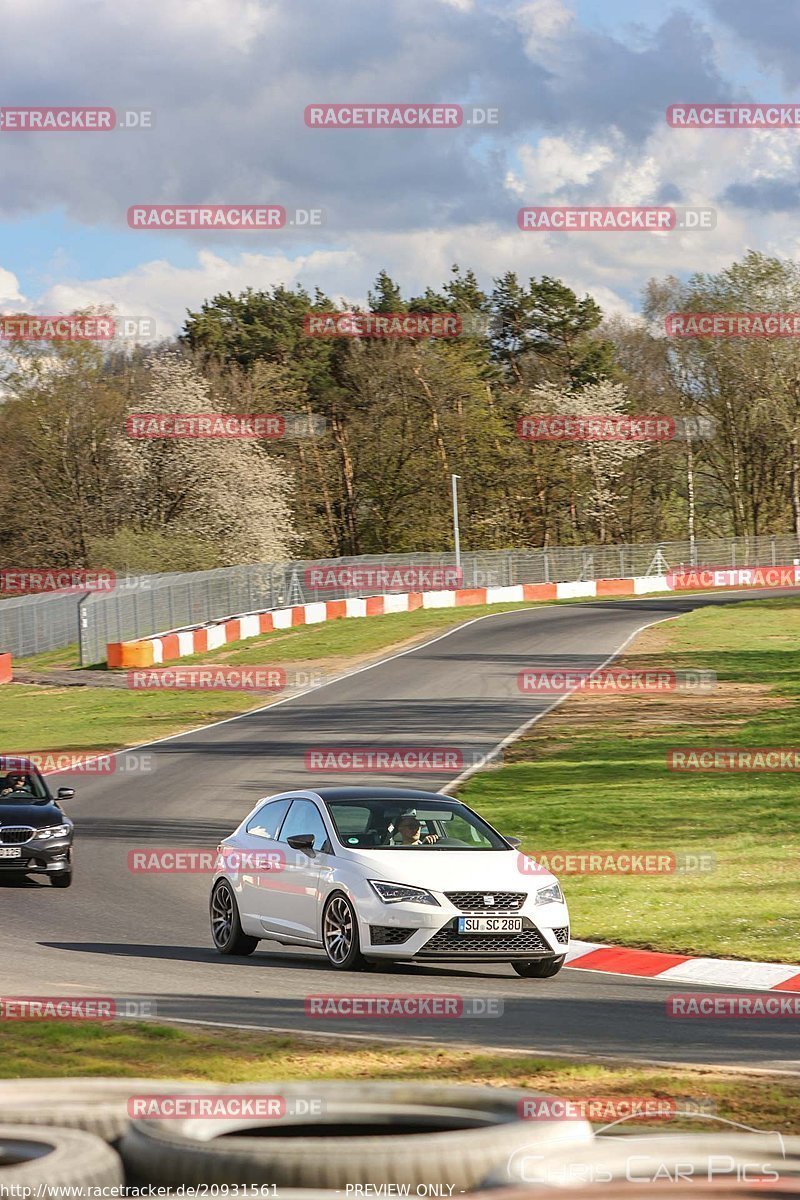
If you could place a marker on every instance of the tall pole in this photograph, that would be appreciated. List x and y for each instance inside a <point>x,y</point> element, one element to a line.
<point>456,535</point>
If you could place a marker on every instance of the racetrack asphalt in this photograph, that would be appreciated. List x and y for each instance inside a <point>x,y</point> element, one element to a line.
<point>115,933</point>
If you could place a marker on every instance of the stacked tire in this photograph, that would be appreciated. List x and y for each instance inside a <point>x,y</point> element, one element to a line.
<point>79,1131</point>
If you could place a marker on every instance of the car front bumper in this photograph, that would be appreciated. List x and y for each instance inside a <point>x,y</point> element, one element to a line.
<point>38,857</point>
<point>422,932</point>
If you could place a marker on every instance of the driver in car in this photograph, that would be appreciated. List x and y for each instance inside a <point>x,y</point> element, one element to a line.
<point>409,832</point>
<point>15,783</point>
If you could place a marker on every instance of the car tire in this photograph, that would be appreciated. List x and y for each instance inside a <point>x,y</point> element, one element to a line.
<point>62,880</point>
<point>95,1105</point>
<point>540,968</point>
<point>340,937</point>
<point>366,1133</point>
<point>226,926</point>
<point>35,1156</point>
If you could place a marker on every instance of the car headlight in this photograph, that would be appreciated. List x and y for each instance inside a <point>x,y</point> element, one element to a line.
<point>53,831</point>
<point>550,895</point>
<point>399,893</point>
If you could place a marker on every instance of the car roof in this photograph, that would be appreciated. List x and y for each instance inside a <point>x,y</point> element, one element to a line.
<point>377,793</point>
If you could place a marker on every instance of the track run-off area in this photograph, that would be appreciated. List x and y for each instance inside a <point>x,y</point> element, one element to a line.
<point>121,934</point>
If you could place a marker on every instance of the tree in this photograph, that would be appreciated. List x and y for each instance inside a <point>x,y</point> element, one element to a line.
<point>233,495</point>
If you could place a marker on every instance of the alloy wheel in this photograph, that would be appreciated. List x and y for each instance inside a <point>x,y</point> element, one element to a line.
<point>222,914</point>
<point>338,932</point>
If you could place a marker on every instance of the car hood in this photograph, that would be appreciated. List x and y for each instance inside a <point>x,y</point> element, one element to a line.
<point>36,815</point>
<point>453,870</point>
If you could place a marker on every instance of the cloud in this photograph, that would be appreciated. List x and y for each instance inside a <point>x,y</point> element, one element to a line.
<point>771,31</point>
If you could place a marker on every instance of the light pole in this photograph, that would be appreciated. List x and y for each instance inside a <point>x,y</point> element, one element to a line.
<point>456,536</point>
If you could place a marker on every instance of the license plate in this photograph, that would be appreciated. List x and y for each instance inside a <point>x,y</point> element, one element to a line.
<point>490,924</point>
<point>10,852</point>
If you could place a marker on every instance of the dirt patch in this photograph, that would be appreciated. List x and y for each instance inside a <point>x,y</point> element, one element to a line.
<point>640,713</point>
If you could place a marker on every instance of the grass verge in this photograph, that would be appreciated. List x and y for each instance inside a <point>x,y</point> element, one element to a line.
<point>231,1056</point>
<point>593,776</point>
<point>84,719</point>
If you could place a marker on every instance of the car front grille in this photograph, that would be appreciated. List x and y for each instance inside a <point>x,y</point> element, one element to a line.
<point>15,835</point>
<point>449,941</point>
<point>477,901</point>
<point>562,935</point>
<point>388,935</point>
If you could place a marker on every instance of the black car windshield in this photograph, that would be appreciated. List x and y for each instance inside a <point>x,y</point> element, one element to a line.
<point>367,824</point>
<point>20,787</point>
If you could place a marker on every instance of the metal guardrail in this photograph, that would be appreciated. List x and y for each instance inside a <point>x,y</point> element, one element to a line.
<point>148,604</point>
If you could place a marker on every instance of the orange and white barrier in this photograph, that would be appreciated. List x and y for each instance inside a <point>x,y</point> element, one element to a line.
<point>5,668</point>
<point>148,652</point>
<point>151,651</point>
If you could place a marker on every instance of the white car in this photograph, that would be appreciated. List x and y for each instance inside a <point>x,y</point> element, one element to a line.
<point>370,874</point>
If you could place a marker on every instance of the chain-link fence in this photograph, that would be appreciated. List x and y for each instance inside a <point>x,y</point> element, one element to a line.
<point>148,604</point>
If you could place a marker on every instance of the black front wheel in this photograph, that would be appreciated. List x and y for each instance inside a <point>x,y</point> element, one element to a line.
<point>540,968</point>
<point>226,927</point>
<point>63,879</point>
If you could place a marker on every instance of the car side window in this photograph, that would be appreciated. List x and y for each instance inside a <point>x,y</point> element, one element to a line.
<point>267,821</point>
<point>304,817</point>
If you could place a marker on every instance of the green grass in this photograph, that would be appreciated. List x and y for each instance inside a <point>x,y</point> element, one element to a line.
<point>86,718</point>
<point>232,1056</point>
<point>594,776</point>
<point>78,719</point>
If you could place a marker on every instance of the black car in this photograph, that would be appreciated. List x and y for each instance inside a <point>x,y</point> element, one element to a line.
<point>35,832</point>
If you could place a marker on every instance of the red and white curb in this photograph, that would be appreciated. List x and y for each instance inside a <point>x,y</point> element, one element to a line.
<point>683,968</point>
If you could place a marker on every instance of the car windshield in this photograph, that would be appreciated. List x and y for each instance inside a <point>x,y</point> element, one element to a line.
<point>20,787</point>
<point>423,824</point>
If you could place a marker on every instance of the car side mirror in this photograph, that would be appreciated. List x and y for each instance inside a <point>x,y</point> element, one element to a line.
<point>304,842</point>
<point>65,793</point>
<point>514,841</point>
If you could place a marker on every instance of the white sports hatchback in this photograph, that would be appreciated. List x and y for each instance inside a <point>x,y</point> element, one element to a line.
<point>369,874</point>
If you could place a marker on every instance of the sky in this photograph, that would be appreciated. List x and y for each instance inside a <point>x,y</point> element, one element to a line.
<point>581,88</point>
